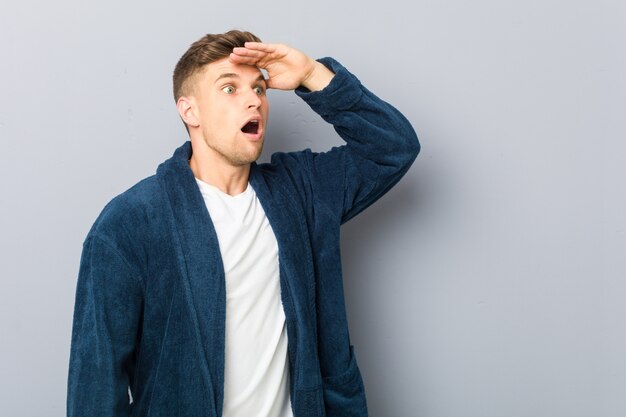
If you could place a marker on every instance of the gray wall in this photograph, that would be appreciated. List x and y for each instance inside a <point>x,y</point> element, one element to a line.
<point>489,283</point>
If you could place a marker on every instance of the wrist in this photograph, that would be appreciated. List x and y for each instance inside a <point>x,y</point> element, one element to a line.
<point>319,77</point>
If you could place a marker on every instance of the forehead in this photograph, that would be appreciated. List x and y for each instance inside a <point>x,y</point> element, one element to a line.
<point>223,66</point>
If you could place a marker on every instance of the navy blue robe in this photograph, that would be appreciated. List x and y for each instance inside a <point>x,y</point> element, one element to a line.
<point>150,300</point>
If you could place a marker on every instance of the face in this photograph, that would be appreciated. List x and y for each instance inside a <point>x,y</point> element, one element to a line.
<point>230,106</point>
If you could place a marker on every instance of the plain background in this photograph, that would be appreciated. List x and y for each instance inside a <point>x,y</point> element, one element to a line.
<point>489,283</point>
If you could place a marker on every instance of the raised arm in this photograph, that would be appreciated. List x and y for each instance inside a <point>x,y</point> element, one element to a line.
<point>380,142</point>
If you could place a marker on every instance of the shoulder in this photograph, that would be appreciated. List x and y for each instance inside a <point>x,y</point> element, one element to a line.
<point>131,213</point>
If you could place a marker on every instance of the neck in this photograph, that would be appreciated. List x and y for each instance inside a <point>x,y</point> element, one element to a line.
<point>211,168</point>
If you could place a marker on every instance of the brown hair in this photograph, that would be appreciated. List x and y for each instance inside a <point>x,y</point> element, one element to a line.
<point>202,52</point>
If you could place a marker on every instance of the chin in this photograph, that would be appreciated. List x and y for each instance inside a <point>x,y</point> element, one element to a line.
<point>256,154</point>
<point>247,159</point>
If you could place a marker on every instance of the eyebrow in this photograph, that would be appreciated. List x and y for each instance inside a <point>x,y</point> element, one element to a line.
<point>233,75</point>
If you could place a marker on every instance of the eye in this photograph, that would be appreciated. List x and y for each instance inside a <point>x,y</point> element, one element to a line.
<point>259,90</point>
<point>229,89</point>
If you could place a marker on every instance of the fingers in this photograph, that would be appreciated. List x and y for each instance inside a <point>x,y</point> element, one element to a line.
<point>242,51</point>
<point>244,57</point>
<point>256,50</point>
<point>260,46</point>
<point>251,56</point>
<point>261,50</point>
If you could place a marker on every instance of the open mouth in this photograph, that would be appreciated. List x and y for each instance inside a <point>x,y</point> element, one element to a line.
<point>252,127</point>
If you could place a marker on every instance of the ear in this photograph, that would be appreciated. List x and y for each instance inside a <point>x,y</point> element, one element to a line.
<point>186,109</point>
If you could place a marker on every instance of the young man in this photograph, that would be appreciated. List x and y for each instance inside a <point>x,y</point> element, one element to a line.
<point>214,287</point>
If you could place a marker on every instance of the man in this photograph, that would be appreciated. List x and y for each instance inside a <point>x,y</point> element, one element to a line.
<point>214,287</point>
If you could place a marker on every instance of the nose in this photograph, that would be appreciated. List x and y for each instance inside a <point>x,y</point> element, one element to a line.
<point>253,100</point>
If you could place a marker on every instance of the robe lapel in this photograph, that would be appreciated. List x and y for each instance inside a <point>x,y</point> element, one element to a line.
<point>296,271</point>
<point>200,263</point>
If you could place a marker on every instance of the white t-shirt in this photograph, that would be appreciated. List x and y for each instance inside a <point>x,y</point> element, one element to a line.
<point>256,374</point>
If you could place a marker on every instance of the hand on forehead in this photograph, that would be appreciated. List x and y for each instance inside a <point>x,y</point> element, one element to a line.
<point>286,67</point>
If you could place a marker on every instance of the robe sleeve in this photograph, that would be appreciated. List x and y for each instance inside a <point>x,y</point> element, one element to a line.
<point>106,325</point>
<point>380,144</point>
